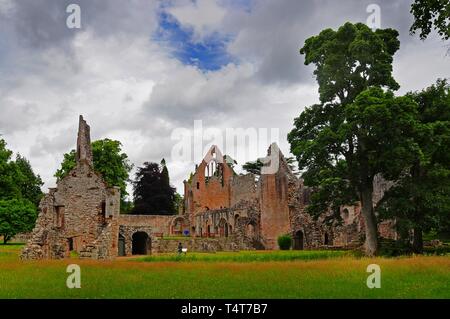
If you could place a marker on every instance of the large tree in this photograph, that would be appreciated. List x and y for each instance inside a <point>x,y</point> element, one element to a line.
<point>8,185</point>
<point>28,182</point>
<point>429,15</point>
<point>109,160</point>
<point>358,130</point>
<point>153,194</point>
<point>420,199</point>
<point>16,216</point>
<point>19,194</point>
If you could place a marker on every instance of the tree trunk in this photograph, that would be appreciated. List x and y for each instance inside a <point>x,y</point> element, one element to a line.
<point>417,244</point>
<point>371,244</point>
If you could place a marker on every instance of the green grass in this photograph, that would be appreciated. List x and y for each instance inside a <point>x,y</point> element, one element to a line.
<point>247,256</point>
<point>340,277</point>
<point>175,237</point>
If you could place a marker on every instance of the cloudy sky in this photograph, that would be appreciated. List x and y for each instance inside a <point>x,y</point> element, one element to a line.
<point>138,70</point>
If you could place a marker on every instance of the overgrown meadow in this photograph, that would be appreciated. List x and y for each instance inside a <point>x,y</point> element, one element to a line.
<point>280,274</point>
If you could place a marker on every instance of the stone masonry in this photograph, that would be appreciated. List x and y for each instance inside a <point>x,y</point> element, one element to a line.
<point>255,210</point>
<point>222,211</point>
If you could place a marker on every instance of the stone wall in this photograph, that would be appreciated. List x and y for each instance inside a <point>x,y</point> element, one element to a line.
<point>274,196</point>
<point>196,245</point>
<point>79,214</point>
<point>158,223</point>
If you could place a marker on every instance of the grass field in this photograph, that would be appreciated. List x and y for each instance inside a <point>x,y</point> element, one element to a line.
<point>289,274</point>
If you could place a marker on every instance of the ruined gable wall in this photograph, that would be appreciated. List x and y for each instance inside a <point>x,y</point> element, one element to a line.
<point>82,210</point>
<point>211,194</point>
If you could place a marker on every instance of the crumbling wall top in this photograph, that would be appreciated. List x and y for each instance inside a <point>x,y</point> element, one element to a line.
<point>84,149</point>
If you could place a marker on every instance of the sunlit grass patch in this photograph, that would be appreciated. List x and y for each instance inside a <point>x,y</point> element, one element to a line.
<point>246,256</point>
<point>339,276</point>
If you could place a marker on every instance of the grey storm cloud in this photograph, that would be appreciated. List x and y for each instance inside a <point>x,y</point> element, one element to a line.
<point>273,33</point>
<point>131,88</point>
<point>42,23</point>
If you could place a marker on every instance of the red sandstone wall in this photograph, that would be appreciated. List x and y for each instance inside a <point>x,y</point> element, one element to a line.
<point>274,208</point>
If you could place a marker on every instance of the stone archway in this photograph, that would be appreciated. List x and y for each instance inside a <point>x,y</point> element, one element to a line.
<point>223,228</point>
<point>178,226</point>
<point>299,240</point>
<point>250,230</point>
<point>141,243</point>
<point>121,246</point>
<point>327,240</point>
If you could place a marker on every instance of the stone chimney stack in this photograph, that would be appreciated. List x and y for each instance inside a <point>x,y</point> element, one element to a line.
<point>84,149</point>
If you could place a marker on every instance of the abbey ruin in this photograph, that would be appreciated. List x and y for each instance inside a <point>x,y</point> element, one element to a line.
<point>222,210</point>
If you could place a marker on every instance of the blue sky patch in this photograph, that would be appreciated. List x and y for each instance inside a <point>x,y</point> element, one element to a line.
<point>209,55</point>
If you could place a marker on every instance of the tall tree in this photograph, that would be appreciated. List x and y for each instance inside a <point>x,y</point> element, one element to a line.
<point>109,160</point>
<point>28,182</point>
<point>429,15</point>
<point>153,194</point>
<point>255,166</point>
<point>420,199</point>
<point>19,194</point>
<point>8,186</point>
<point>358,129</point>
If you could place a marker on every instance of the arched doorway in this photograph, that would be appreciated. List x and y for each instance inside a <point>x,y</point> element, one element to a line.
<point>121,245</point>
<point>298,240</point>
<point>327,240</point>
<point>250,231</point>
<point>141,243</point>
<point>177,226</point>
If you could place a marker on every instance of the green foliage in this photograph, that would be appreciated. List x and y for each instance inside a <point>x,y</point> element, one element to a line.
<point>373,137</point>
<point>8,173</point>
<point>20,194</point>
<point>420,199</point>
<point>358,130</point>
<point>249,256</point>
<point>16,216</point>
<point>350,60</point>
<point>394,248</point>
<point>109,161</point>
<point>284,242</point>
<point>254,167</point>
<point>178,202</point>
<point>126,207</point>
<point>28,182</point>
<point>267,274</point>
<point>437,251</point>
<point>429,15</point>
<point>152,192</point>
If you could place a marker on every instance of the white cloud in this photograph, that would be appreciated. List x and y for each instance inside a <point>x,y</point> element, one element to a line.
<point>204,16</point>
<point>130,88</point>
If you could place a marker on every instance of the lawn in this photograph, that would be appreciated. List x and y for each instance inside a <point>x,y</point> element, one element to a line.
<point>255,275</point>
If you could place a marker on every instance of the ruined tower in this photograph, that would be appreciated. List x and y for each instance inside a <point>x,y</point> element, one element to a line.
<point>84,149</point>
<point>79,215</point>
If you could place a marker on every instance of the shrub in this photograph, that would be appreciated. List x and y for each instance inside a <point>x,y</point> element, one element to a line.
<point>284,242</point>
<point>394,248</point>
